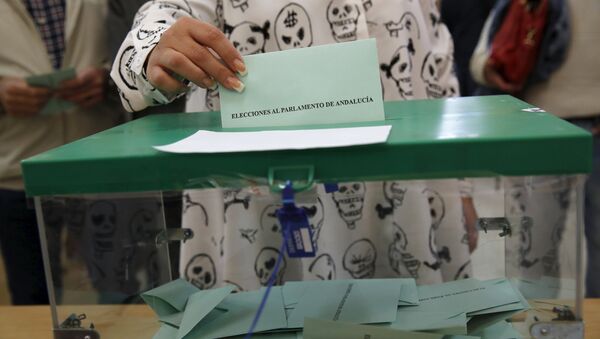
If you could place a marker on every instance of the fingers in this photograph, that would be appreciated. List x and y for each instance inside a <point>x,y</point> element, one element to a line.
<point>210,36</point>
<point>195,51</point>
<point>204,59</point>
<point>180,64</point>
<point>29,100</point>
<point>24,90</point>
<point>162,80</point>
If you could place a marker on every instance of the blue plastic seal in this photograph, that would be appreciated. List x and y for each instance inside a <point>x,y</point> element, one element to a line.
<point>295,226</point>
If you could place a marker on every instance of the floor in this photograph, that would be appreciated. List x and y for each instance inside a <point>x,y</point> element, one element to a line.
<point>488,259</point>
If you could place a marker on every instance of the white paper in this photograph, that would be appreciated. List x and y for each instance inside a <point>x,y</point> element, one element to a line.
<point>225,142</point>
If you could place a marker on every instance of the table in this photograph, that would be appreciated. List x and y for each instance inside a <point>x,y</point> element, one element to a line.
<point>26,322</point>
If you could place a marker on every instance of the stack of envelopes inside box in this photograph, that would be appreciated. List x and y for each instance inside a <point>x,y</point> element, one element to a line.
<point>371,308</point>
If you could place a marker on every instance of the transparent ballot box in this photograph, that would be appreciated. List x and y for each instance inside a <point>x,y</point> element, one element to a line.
<point>118,218</point>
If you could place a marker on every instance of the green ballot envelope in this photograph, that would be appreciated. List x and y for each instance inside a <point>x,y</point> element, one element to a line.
<point>318,85</point>
<point>52,81</point>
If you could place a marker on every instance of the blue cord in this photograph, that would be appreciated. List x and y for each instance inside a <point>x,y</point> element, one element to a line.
<point>270,284</point>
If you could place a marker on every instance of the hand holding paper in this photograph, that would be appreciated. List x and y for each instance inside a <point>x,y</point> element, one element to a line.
<point>184,50</point>
<point>50,82</point>
<point>20,99</point>
<point>86,89</point>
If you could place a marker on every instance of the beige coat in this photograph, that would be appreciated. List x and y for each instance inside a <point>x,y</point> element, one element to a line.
<point>23,53</point>
<point>573,91</point>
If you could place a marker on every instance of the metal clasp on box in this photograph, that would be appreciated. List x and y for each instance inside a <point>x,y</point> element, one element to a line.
<point>500,224</point>
<point>71,329</point>
<point>557,330</point>
<point>174,235</point>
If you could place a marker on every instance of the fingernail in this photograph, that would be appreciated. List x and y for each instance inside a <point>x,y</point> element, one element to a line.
<point>236,84</point>
<point>240,67</point>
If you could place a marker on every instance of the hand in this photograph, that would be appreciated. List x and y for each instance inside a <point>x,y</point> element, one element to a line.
<point>198,52</point>
<point>470,215</point>
<point>21,100</point>
<point>495,79</point>
<point>87,89</point>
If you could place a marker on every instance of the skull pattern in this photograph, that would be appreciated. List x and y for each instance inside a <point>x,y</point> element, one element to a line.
<point>400,69</point>
<point>436,23</point>
<point>401,261</point>
<point>293,27</point>
<point>437,211</point>
<point>359,259</point>
<point>247,37</point>
<point>435,65</point>
<point>343,20</point>
<point>201,271</point>
<point>323,267</point>
<point>142,226</point>
<point>103,218</point>
<point>394,193</point>
<point>265,265</point>
<point>367,4</point>
<point>349,199</point>
<point>437,207</point>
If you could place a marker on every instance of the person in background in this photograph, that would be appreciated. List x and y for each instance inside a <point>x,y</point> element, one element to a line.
<point>572,93</point>
<point>364,230</point>
<point>465,19</point>
<point>39,37</point>
<point>565,81</point>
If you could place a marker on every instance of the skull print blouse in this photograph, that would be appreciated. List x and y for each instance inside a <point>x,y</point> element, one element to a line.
<point>415,49</point>
<point>363,230</point>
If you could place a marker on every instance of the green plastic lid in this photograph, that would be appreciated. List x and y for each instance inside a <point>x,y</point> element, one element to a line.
<point>448,138</point>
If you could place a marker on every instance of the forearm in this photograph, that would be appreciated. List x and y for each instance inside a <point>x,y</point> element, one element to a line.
<point>151,21</point>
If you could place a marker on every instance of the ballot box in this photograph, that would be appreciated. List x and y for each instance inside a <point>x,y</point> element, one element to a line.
<point>118,218</point>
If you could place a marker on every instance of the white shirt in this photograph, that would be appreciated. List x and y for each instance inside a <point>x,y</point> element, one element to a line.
<point>411,229</point>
